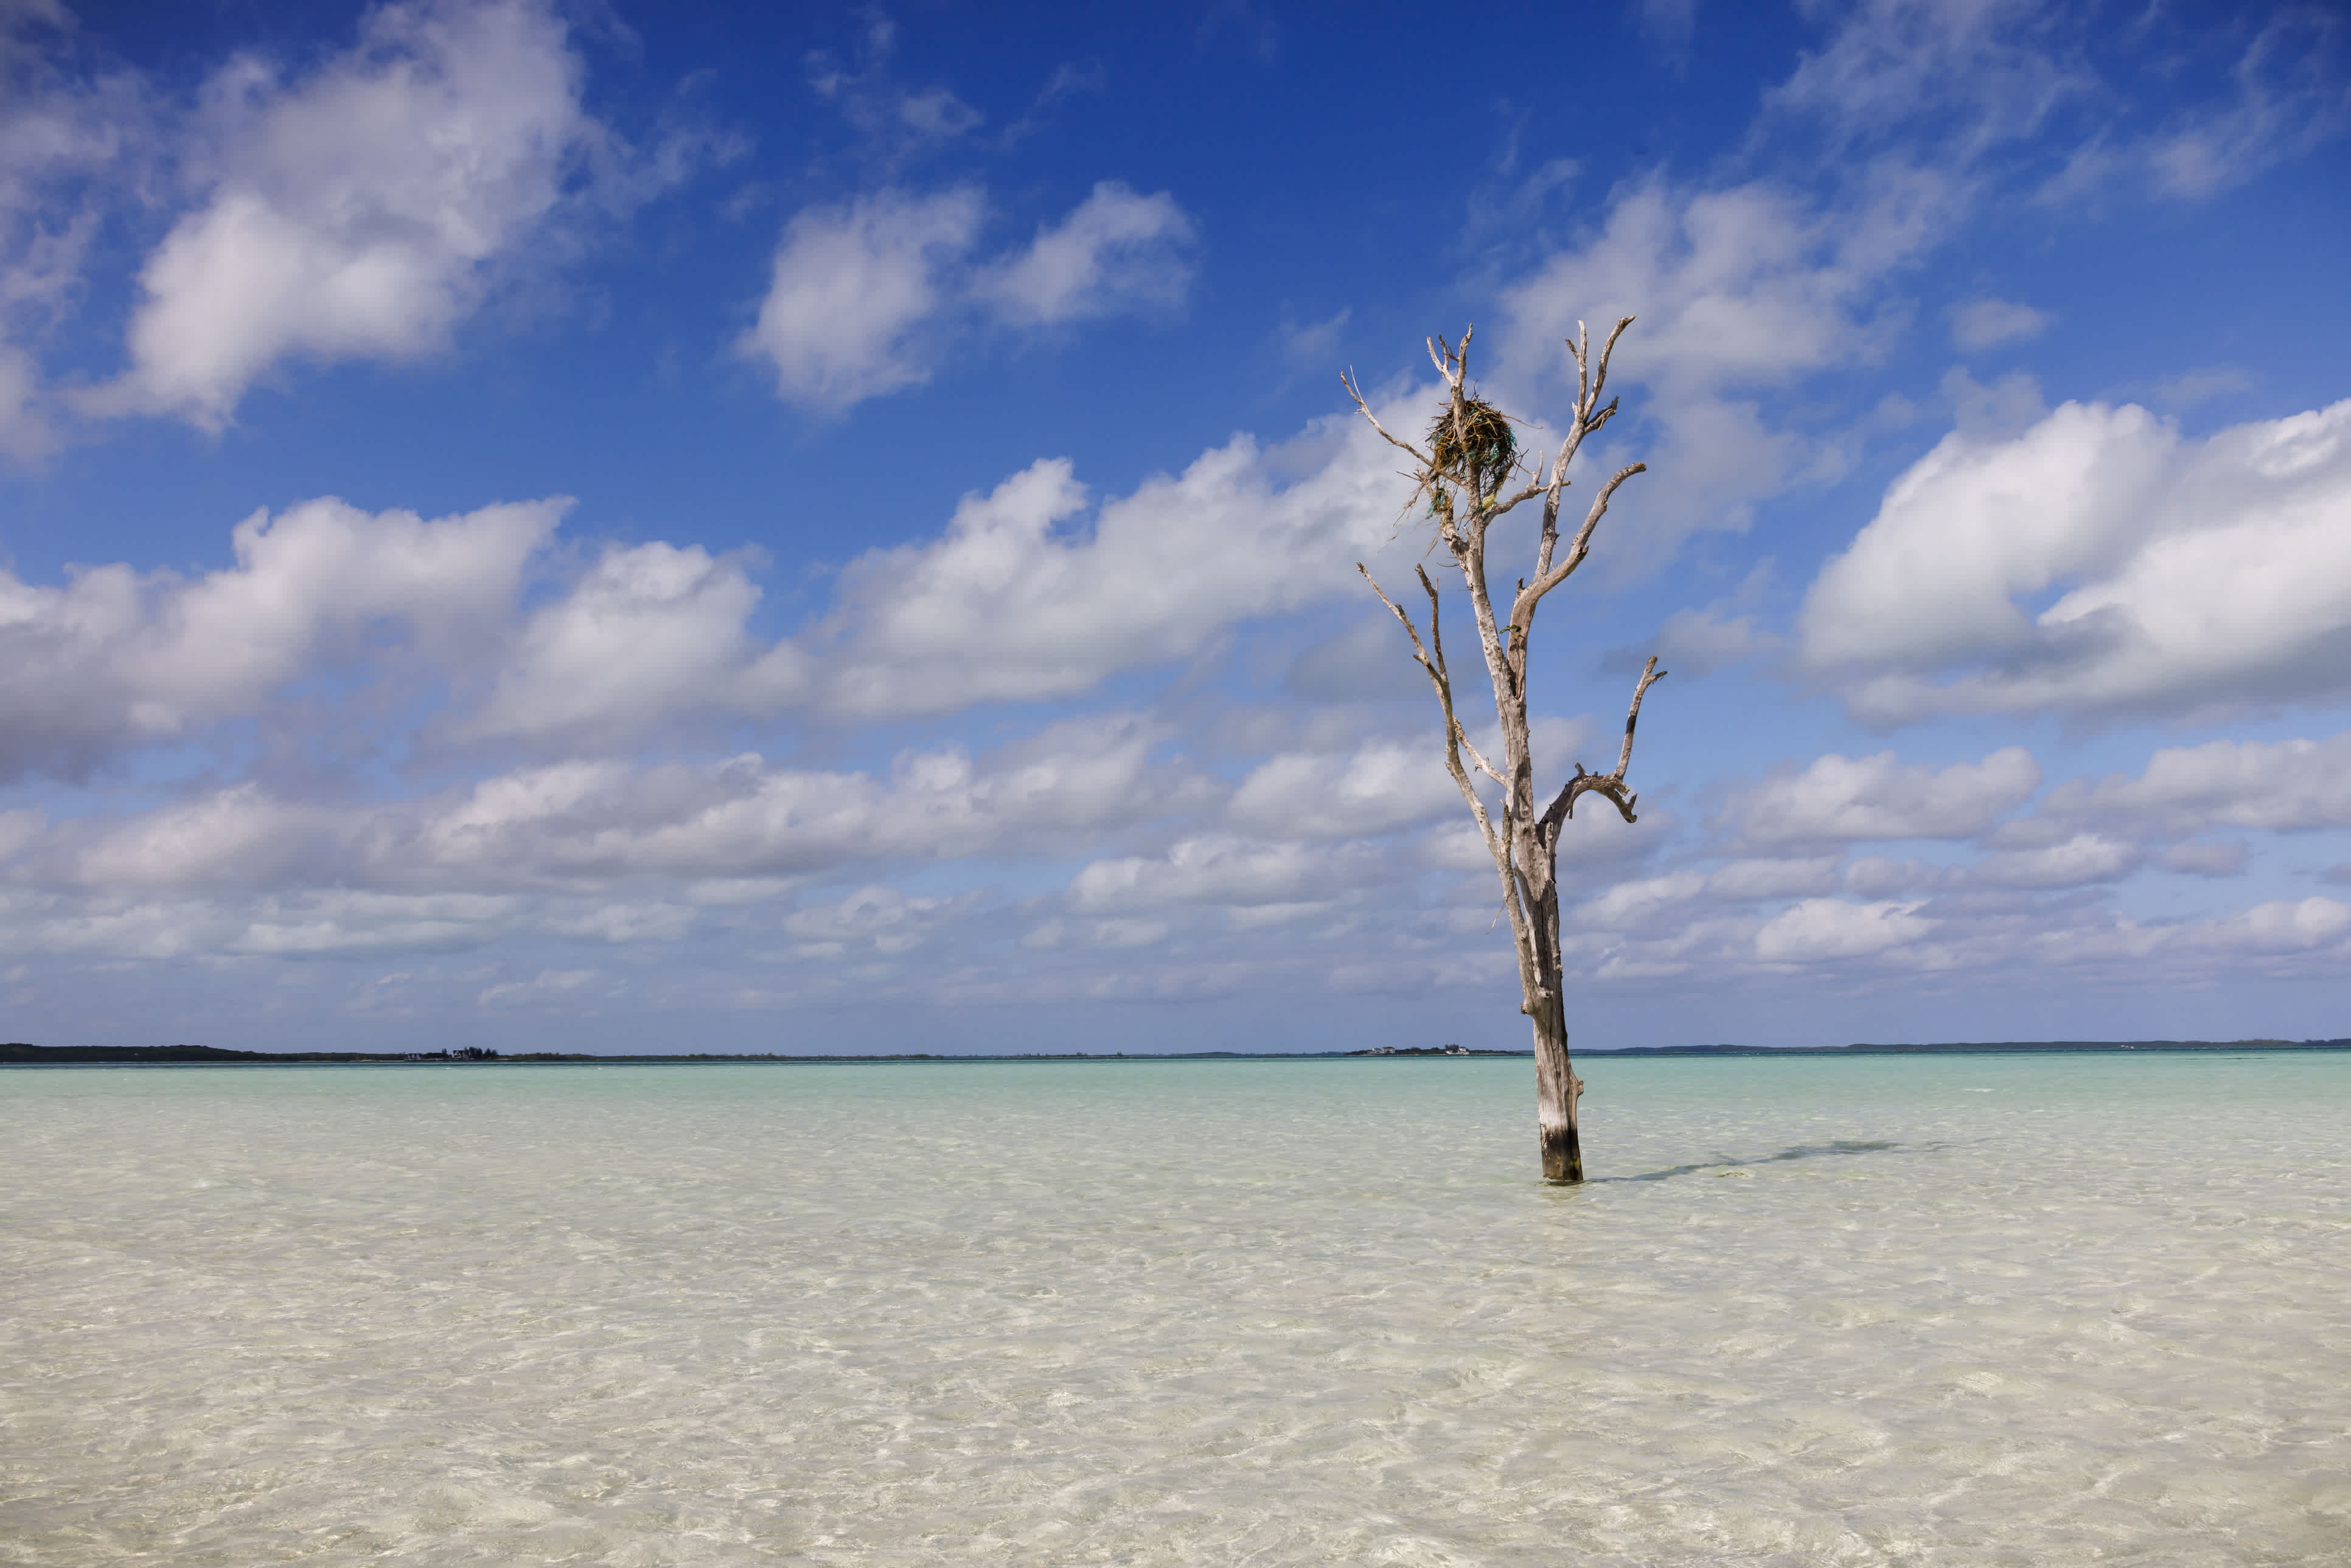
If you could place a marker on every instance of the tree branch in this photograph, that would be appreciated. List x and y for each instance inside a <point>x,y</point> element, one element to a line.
<point>1454,739</point>
<point>1612,785</point>
<point>1460,735</point>
<point>1522,609</point>
<point>1415,453</point>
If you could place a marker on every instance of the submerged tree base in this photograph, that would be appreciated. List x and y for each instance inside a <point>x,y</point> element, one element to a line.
<point>1557,1089</point>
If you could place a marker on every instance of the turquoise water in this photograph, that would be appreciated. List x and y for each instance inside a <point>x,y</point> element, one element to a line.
<point>1988,1310</point>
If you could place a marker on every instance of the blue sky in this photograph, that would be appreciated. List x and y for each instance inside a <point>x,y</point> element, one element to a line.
<point>806,529</point>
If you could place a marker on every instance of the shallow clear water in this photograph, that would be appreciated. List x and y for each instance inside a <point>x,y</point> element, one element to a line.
<point>1963,1311</point>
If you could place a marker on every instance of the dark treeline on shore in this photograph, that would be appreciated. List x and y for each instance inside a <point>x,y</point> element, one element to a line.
<point>20,1054</point>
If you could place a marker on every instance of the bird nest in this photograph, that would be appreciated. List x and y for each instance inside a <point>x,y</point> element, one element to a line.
<point>1474,451</point>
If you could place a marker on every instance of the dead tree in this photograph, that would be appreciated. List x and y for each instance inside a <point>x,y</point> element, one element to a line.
<point>1468,476</point>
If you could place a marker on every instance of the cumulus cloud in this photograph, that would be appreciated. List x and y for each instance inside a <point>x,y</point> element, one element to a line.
<point>355,213</point>
<point>652,632</point>
<point>873,920</point>
<point>850,286</point>
<point>1221,869</point>
<point>1839,798</point>
<point>1910,114</point>
<point>2282,938</point>
<point>1736,291</point>
<point>2080,859</point>
<point>1381,785</point>
<point>585,821</point>
<point>2281,785</point>
<point>581,850</point>
<point>1820,929</point>
<point>863,297</point>
<point>2098,561</point>
<point>2311,923</point>
<point>1117,251</point>
<point>607,852</point>
<point>1642,901</point>
<point>1015,604</point>
<point>112,659</point>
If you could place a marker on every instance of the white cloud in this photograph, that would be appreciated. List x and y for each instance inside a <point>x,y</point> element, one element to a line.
<point>875,919</point>
<point>581,851</point>
<point>652,632</point>
<point>1646,901</point>
<point>1117,251</point>
<point>2186,576</point>
<point>238,837</point>
<point>864,295</point>
<point>2282,786</point>
<point>1988,323</point>
<point>1219,869</point>
<point>1379,786</point>
<point>111,660</point>
<point>2282,928</point>
<point>2083,859</point>
<point>2287,937</point>
<point>1736,287</point>
<point>1750,288</point>
<point>850,285</point>
<point>1014,604</point>
<point>355,214</point>
<point>1820,929</point>
<point>1838,799</point>
<point>586,823</point>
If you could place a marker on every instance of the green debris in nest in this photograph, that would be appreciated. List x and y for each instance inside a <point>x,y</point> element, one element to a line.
<point>1474,451</point>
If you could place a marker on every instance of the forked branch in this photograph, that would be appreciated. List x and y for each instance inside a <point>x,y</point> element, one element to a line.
<point>1611,785</point>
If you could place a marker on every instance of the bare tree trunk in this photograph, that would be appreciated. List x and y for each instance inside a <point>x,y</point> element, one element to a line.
<point>1470,476</point>
<point>1557,1089</point>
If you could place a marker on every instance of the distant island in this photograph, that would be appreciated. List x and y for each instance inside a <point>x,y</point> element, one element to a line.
<point>21,1054</point>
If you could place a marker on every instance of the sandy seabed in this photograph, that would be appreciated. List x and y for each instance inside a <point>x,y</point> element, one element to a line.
<point>1963,1311</point>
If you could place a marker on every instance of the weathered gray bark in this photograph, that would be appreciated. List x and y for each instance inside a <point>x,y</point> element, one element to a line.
<point>1556,1090</point>
<point>1470,477</point>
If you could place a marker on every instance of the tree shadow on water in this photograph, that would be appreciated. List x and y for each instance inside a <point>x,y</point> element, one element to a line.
<point>1800,1152</point>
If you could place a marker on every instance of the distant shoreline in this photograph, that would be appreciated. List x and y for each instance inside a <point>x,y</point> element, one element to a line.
<point>27,1055</point>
